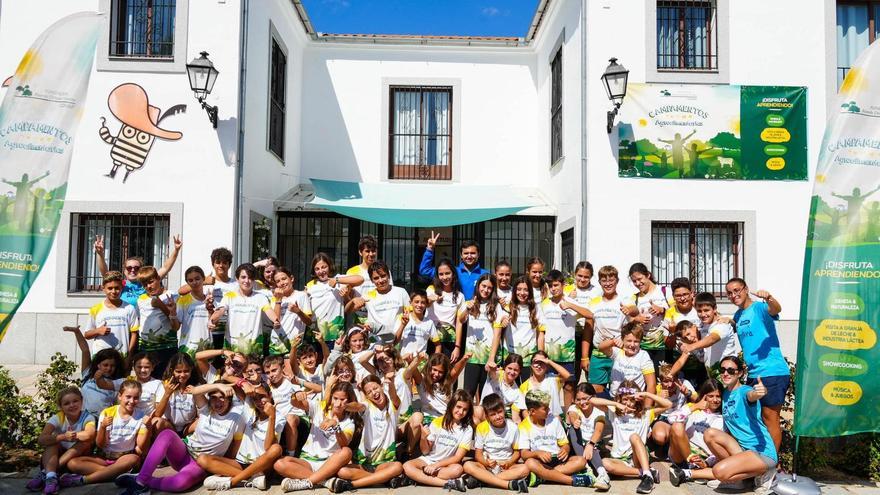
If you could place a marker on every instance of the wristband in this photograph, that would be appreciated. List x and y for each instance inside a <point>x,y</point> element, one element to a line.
<point>585,359</point>
<point>591,443</point>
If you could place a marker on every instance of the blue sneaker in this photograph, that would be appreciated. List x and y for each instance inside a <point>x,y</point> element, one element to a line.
<point>583,479</point>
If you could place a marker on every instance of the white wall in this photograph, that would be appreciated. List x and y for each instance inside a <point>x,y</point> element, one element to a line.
<point>197,171</point>
<point>763,51</point>
<point>265,176</point>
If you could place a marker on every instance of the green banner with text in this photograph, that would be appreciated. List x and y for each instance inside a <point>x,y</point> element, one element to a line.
<point>38,120</point>
<point>837,389</point>
<point>713,132</point>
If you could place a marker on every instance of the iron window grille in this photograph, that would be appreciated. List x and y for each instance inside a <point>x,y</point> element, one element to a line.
<point>707,253</point>
<point>687,35</point>
<point>125,235</point>
<point>567,238</point>
<point>556,107</point>
<point>142,29</point>
<point>277,100</point>
<point>301,235</point>
<point>420,133</point>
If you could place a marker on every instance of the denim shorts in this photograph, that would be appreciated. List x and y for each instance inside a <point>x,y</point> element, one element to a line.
<point>776,387</point>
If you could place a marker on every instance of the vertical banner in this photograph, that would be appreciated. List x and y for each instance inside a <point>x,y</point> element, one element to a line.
<point>838,356</point>
<point>38,120</point>
<point>669,131</point>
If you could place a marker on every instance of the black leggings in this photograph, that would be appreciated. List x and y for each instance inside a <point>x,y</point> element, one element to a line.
<point>474,377</point>
<point>578,444</point>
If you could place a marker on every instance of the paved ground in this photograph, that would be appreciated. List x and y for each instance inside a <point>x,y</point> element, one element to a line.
<point>16,485</point>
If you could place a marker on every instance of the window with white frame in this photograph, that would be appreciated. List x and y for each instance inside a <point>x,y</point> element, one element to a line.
<point>277,99</point>
<point>707,253</point>
<point>856,29</point>
<point>420,133</point>
<point>142,29</point>
<point>687,35</point>
<point>124,234</point>
<point>556,107</point>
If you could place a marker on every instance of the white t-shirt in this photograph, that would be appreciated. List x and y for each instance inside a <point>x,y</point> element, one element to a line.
<point>364,287</point>
<point>480,332</point>
<point>404,393</point>
<point>445,443</point>
<point>551,384</point>
<point>444,311</point>
<point>697,424</point>
<point>217,290</point>
<point>61,424</point>
<point>151,394</point>
<point>383,310</point>
<point>521,336</point>
<point>253,440</point>
<point>588,424</point>
<point>497,443</point>
<point>582,297</point>
<point>292,326</point>
<point>155,326</point>
<point>679,400</point>
<point>623,427</point>
<point>416,335</point>
<point>122,434</point>
<point>559,338</point>
<point>608,319</point>
<point>316,378</point>
<point>514,399</point>
<point>322,444</point>
<point>181,410</point>
<point>193,335</point>
<point>281,396</point>
<point>547,438</point>
<point>654,336</point>
<point>433,404</point>
<point>122,321</point>
<point>378,440</point>
<point>214,433</point>
<point>327,306</point>
<point>504,295</point>
<point>721,349</point>
<point>244,327</point>
<point>629,368</point>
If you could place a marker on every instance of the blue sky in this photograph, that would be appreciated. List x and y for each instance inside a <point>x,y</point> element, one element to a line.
<point>432,17</point>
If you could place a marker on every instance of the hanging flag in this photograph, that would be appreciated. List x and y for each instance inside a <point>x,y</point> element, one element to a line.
<point>836,387</point>
<point>38,120</point>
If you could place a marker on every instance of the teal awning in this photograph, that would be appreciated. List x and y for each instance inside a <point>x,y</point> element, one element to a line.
<point>433,204</point>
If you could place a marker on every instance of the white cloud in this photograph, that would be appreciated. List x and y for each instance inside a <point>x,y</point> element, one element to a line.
<point>490,11</point>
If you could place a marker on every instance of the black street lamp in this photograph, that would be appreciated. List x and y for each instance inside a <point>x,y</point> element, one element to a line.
<point>615,77</point>
<point>202,76</point>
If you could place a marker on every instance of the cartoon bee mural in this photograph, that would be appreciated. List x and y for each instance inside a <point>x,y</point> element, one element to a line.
<point>140,127</point>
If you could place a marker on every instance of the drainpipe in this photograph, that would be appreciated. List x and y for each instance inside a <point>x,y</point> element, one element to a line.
<point>583,233</point>
<point>239,155</point>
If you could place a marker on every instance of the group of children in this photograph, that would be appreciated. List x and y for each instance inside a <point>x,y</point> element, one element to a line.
<point>353,382</point>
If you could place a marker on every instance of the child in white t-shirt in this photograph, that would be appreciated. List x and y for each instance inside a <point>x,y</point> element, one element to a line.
<point>541,379</point>
<point>332,427</point>
<point>586,425</point>
<point>496,451</point>
<point>690,455</point>
<point>414,330</point>
<point>121,437</point>
<point>67,435</point>
<point>375,459</point>
<point>630,361</point>
<point>631,419</point>
<point>446,440</point>
<point>293,310</point>
<point>257,452</point>
<point>505,387</point>
<point>384,304</point>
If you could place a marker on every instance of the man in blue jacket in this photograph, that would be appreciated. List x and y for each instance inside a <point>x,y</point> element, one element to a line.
<point>469,270</point>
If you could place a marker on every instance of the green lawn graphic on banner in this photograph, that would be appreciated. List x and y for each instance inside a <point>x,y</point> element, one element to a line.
<point>838,392</point>
<point>713,132</point>
<point>38,120</point>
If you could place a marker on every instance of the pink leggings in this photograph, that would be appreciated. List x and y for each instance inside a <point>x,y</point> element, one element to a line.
<point>169,446</point>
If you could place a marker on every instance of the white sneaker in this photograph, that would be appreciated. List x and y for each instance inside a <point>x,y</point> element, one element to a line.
<point>292,485</point>
<point>735,485</point>
<point>217,483</point>
<point>258,482</point>
<point>766,480</point>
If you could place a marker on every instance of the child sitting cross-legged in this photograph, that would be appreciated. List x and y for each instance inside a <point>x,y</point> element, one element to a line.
<point>496,451</point>
<point>544,445</point>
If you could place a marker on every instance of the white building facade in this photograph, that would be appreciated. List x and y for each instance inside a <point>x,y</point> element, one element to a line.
<point>517,114</point>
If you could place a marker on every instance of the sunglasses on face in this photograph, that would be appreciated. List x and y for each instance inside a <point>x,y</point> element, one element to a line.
<point>132,268</point>
<point>729,371</point>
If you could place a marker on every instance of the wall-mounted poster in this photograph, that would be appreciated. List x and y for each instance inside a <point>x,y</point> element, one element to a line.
<point>713,132</point>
